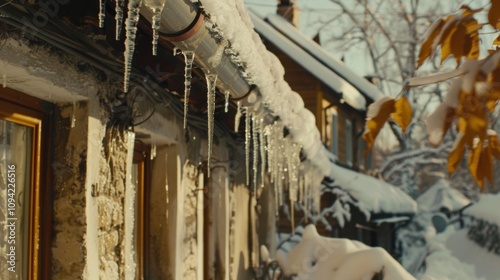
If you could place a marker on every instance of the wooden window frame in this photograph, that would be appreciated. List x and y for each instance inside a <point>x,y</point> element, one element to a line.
<point>142,158</point>
<point>26,110</point>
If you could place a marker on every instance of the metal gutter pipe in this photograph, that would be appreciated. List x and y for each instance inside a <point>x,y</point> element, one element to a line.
<point>182,23</point>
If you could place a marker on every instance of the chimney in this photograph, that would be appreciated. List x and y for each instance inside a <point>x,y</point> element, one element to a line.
<point>288,10</point>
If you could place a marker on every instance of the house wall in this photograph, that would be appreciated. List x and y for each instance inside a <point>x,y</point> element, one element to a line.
<point>319,99</point>
<point>90,168</point>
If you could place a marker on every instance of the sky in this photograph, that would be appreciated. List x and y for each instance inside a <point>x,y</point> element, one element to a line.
<point>310,12</point>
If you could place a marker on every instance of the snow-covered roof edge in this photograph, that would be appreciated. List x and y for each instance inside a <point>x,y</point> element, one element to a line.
<point>268,74</point>
<point>350,94</point>
<point>319,53</point>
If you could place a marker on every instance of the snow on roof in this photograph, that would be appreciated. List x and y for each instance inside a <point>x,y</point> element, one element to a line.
<point>442,195</point>
<point>319,53</point>
<point>268,74</point>
<point>350,94</point>
<point>373,195</point>
<point>486,208</point>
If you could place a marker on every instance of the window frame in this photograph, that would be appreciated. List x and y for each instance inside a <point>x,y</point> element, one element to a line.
<point>142,158</point>
<point>37,114</point>
<point>335,131</point>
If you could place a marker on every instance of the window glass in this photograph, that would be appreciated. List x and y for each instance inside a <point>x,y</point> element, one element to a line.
<point>348,141</point>
<point>335,132</point>
<point>16,143</point>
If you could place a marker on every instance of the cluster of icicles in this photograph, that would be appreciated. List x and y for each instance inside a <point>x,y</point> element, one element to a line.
<point>266,148</point>
<point>269,151</point>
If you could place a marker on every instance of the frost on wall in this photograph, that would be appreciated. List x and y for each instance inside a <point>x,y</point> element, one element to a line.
<point>189,243</point>
<point>69,175</point>
<point>110,207</point>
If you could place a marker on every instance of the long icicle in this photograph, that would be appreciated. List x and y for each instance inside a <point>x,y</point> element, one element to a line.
<point>134,7</point>
<point>102,12</point>
<point>226,101</point>
<point>157,7</point>
<point>255,139</point>
<point>118,18</point>
<point>211,82</point>
<point>263,148</point>
<point>237,118</point>
<point>188,68</point>
<point>247,143</point>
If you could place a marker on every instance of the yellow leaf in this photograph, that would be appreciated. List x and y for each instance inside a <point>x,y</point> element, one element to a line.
<point>456,154</point>
<point>468,10</point>
<point>403,113</point>
<point>474,159</point>
<point>457,43</point>
<point>481,164</point>
<point>494,145</point>
<point>494,13</point>
<point>377,116</point>
<point>427,46</point>
<point>473,52</point>
<point>496,42</point>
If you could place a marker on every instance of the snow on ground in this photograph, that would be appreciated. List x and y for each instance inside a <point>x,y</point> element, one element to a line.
<point>442,263</point>
<point>484,209</point>
<point>487,264</point>
<point>441,195</point>
<point>321,258</point>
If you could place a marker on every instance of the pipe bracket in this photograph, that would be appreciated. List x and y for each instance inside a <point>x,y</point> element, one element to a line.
<point>187,32</point>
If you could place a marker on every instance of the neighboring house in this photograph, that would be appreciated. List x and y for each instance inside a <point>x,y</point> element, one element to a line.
<point>336,95</point>
<point>441,197</point>
<point>353,205</point>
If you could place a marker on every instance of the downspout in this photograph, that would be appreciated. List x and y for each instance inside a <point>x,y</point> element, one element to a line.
<point>183,24</point>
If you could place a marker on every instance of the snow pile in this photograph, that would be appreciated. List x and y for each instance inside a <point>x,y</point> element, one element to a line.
<point>442,195</point>
<point>442,264</point>
<point>373,195</point>
<point>485,209</point>
<point>486,264</point>
<point>321,258</point>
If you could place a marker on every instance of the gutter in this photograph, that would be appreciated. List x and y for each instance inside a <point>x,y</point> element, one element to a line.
<point>183,24</point>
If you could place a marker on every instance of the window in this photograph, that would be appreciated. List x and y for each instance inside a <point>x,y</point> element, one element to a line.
<point>335,132</point>
<point>139,183</point>
<point>24,223</point>
<point>348,141</point>
<point>361,151</point>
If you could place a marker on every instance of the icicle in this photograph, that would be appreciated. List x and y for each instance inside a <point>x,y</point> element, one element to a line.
<point>255,139</point>
<point>153,150</point>
<point>157,7</point>
<point>188,60</point>
<point>226,103</point>
<point>247,143</point>
<point>262,147</point>
<point>4,83</point>
<point>118,18</point>
<point>134,7</point>
<point>102,12</point>
<point>211,83</point>
<point>73,115</point>
<point>237,118</point>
